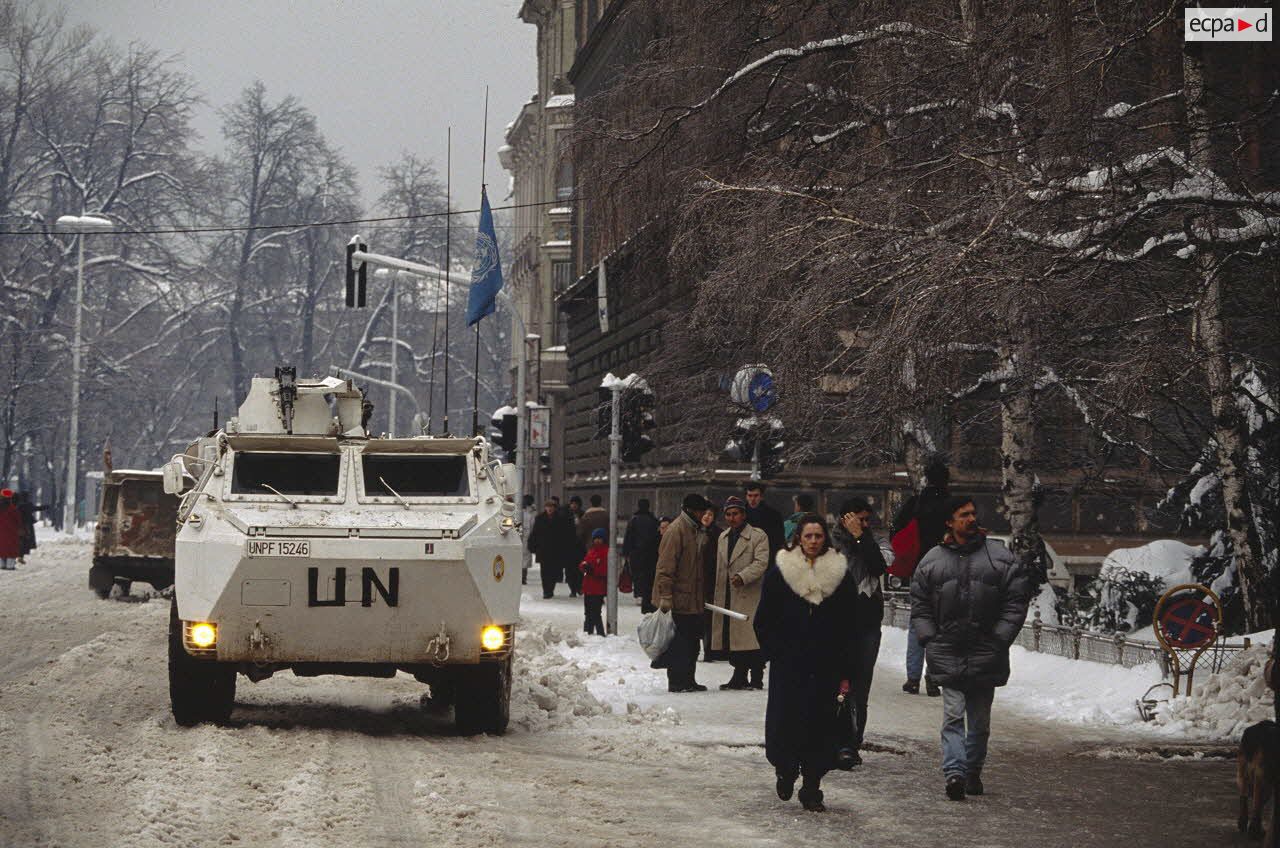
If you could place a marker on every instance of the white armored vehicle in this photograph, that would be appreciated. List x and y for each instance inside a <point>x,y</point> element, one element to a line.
<point>307,545</point>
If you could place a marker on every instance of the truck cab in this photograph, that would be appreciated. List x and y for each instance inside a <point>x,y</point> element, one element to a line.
<point>133,539</point>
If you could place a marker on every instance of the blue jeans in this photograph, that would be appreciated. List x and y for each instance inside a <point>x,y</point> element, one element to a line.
<point>915,655</point>
<point>966,727</point>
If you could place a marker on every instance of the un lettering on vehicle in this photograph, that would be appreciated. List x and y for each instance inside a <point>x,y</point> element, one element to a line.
<point>278,547</point>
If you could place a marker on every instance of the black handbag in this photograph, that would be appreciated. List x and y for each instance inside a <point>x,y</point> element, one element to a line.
<point>845,729</point>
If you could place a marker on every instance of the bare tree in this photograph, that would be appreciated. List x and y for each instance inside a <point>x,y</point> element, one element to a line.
<point>272,149</point>
<point>889,206</point>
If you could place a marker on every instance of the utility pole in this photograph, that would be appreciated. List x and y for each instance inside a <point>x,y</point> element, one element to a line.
<point>522,423</point>
<point>73,438</point>
<point>395,343</point>
<point>82,225</point>
<point>615,465</point>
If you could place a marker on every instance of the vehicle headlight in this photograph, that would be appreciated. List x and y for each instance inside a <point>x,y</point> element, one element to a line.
<point>204,634</point>
<point>492,638</point>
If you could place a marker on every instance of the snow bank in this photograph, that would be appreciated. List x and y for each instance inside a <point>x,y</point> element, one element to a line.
<point>1222,706</point>
<point>1168,559</point>
<point>561,679</point>
<point>548,689</point>
<point>1055,688</point>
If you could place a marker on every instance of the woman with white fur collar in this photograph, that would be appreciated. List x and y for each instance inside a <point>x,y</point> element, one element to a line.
<point>805,625</point>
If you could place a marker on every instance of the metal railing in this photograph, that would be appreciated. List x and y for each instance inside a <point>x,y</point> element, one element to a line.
<point>1079,644</point>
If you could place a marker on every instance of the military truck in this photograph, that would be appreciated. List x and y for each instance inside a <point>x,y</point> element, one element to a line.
<point>134,536</point>
<point>307,545</point>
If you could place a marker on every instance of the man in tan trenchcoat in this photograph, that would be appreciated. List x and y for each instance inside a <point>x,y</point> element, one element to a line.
<point>677,587</point>
<point>742,556</point>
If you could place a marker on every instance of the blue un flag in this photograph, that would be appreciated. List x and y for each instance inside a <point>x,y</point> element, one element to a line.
<point>486,277</point>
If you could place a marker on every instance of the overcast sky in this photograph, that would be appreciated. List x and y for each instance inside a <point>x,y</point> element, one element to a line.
<point>381,76</point>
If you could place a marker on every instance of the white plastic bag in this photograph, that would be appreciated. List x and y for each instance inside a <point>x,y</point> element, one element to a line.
<point>656,631</point>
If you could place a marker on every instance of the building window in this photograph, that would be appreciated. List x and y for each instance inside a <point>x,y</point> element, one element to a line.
<point>561,276</point>
<point>564,167</point>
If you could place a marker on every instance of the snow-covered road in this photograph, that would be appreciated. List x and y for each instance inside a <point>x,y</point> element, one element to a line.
<point>598,753</point>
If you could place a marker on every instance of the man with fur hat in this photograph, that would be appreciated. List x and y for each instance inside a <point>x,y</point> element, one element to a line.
<point>677,586</point>
<point>742,556</point>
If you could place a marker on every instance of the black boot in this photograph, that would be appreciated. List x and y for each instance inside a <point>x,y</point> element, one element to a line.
<point>786,785</point>
<point>911,687</point>
<point>756,680</point>
<point>738,681</point>
<point>811,798</point>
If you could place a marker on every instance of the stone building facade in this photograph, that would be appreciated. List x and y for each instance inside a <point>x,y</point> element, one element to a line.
<point>1080,523</point>
<point>541,264</point>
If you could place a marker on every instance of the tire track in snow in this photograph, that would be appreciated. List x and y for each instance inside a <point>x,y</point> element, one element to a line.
<point>173,801</point>
<point>393,776</point>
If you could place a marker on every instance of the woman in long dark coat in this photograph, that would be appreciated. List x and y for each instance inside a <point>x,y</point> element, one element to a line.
<point>805,625</point>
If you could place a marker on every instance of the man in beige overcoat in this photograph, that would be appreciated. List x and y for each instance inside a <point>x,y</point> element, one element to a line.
<point>677,587</point>
<point>742,556</point>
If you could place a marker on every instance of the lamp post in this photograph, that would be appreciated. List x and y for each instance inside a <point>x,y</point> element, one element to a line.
<point>384,273</point>
<point>82,225</point>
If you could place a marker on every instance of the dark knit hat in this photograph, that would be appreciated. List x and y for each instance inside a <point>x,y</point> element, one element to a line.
<point>734,502</point>
<point>694,502</point>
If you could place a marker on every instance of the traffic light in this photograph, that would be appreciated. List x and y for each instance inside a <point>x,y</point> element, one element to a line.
<point>772,446</point>
<point>503,433</point>
<point>766,432</point>
<point>357,273</point>
<point>637,418</point>
<point>544,462</point>
<point>741,446</point>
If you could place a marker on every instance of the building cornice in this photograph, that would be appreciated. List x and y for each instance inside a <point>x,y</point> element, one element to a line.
<point>536,11</point>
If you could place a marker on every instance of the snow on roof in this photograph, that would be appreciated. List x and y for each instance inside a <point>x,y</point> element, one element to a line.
<point>556,101</point>
<point>1167,559</point>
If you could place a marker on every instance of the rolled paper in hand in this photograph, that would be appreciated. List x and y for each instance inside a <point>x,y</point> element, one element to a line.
<point>739,616</point>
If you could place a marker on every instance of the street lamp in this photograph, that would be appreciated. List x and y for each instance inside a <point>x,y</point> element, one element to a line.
<point>383,273</point>
<point>81,225</point>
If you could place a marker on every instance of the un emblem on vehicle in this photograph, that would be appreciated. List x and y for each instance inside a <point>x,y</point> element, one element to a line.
<point>499,567</point>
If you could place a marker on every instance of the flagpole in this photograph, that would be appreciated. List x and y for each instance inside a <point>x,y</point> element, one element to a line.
<point>448,228</point>
<point>435,347</point>
<point>475,372</point>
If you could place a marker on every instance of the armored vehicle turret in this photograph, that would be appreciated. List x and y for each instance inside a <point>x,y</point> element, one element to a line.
<point>307,545</point>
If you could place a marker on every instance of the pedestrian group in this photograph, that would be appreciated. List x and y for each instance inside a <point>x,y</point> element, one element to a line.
<point>813,603</point>
<point>17,528</point>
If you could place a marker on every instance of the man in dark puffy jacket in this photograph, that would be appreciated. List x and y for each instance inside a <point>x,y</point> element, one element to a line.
<point>968,601</point>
